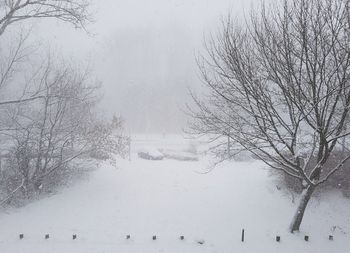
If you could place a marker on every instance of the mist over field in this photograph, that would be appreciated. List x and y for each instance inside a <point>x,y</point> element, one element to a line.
<point>144,53</point>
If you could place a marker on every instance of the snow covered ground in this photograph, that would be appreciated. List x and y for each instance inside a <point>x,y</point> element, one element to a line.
<point>170,198</point>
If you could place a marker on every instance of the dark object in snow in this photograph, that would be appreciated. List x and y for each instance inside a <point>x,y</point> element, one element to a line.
<point>331,237</point>
<point>306,238</point>
<point>182,238</point>
<point>150,155</point>
<point>47,236</point>
<point>21,236</point>
<point>201,242</point>
<point>242,235</point>
<point>128,237</point>
<point>278,238</point>
<point>178,155</point>
<point>154,238</point>
<point>74,237</point>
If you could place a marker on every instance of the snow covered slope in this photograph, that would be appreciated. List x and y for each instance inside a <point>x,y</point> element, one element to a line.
<point>171,198</point>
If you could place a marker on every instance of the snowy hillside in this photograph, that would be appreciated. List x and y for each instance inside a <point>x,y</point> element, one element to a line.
<point>169,199</point>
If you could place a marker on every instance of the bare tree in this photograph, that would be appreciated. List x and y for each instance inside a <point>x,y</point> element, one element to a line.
<point>49,123</point>
<point>57,131</point>
<point>14,11</point>
<point>17,11</point>
<point>279,87</point>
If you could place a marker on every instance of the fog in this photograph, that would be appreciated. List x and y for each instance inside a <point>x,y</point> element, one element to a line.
<point>106,168</point>
<point>144,54</point>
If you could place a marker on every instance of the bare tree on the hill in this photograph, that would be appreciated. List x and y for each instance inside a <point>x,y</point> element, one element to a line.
<point>279,87</point>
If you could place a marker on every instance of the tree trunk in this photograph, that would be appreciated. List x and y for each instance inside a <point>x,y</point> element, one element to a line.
<point>298,217</point>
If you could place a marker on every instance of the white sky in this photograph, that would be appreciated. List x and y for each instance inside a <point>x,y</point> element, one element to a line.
<point>144,53</point>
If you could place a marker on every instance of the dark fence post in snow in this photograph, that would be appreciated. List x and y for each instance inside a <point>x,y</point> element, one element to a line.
<point>129,149</point>
<point>21,236</point>
<point>74,237</point>
<point>278,238</point>
<point>331,237</point>
<point>154,238</point>
<point>306,238</point>
<point>242,235</point>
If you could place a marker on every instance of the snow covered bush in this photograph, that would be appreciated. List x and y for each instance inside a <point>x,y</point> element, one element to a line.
<point>340,181</point>
<point>150,154</point>
<point>115,142</point>
<point>58,131</point>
